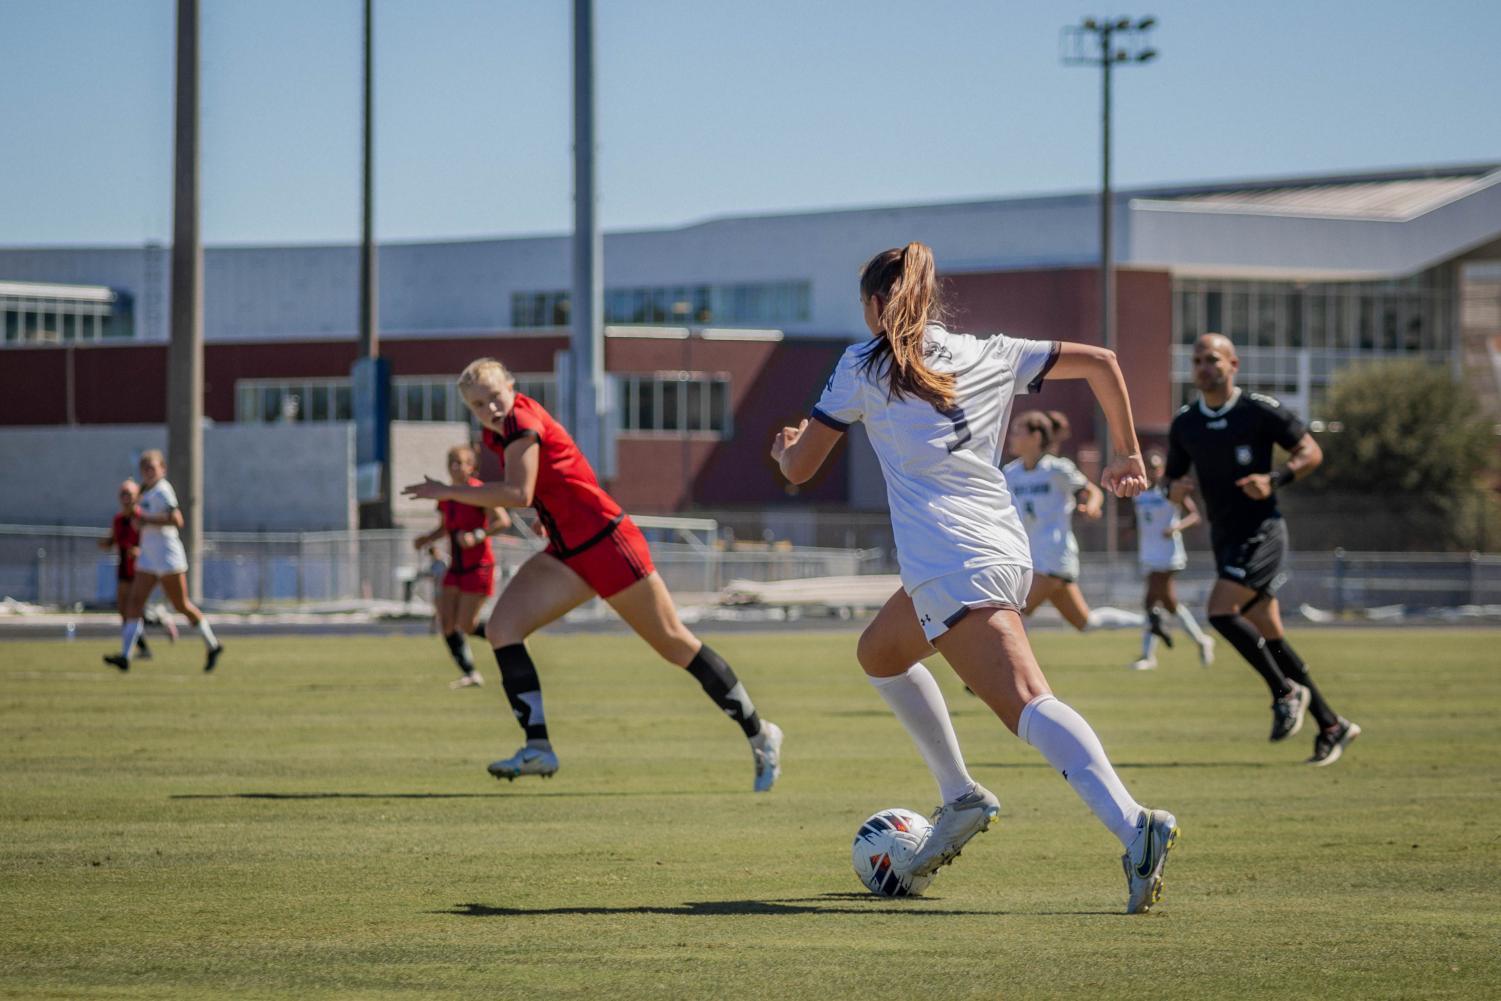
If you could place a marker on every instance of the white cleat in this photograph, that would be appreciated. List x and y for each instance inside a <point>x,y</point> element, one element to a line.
<point>1206,651</point>
<point>527,761</point>
<point>1143,664</point>
<point>953,825</point>
<point>1144,862</point>
<point>768,755</point>
<point>471,680</point>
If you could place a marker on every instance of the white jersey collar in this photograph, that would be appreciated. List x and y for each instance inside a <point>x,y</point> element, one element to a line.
<point>1205,409</point>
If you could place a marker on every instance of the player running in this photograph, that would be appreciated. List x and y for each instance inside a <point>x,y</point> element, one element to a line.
<point>1048,489</point>
<point>934,404</point>
<point>125,539</point>
<point>1226,437</point>
<point>1160,525</point>
<point>469,578</point>
<point>161,560</point>
<point>593,549</point>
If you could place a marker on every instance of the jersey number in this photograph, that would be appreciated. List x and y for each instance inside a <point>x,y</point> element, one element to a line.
<point>961,427</point>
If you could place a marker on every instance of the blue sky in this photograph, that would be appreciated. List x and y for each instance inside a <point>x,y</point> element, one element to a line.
<point>707,108</point>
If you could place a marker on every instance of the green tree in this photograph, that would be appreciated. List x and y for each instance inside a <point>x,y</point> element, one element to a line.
<point>1405,439</point>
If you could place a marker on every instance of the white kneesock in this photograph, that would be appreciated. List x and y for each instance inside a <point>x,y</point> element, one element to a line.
<point>1113,618</point>
<point>129,633</point>
<point>1070,746</point>
<point>207,632</point>
<point>1190,625</point>
<point>1148,643</point>
<point>918,703</point>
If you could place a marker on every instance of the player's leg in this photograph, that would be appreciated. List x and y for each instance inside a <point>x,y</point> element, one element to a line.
<point>1042,589</point>
<point>1153,628</point>
<point>133,624</point>
<point>1290,699</point>
<point>446,610</point>
<point>543,590</point>
<point>646,606</point>
<point>988,649</point>
<point>1204,641</point>
<point>1069,601</point>
<point>175,586</point>
<point>122,599</point>
<point>1335,732</point>
<point>890,651</point>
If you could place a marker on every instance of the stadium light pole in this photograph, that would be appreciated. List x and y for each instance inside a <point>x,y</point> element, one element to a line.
<point>1104,42</point>
<point>370,376</point>
<point>185,349</point>
<point>586,312</point>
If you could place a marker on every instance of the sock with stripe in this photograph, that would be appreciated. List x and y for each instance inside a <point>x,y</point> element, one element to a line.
<point>720,684</point>
<point>523,690</point>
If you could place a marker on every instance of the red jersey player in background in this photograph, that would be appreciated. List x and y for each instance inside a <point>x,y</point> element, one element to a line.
<point>593,549</point>
<point>125,537</point>
<point>470,577</point>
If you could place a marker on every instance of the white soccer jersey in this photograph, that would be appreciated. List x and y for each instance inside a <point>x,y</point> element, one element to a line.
<point>950,509</point>
<point>161,546</point>
<point>1044,496</point>
<point>1154,512</point>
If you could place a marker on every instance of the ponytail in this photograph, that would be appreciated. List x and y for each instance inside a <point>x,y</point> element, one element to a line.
<point>904,280</point>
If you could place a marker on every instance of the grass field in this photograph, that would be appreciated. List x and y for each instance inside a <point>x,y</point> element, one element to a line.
<point>315,821</point>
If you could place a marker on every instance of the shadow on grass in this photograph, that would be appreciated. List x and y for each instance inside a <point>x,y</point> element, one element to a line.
<point>502,793</point>
<point>823,904</point>
<point>1135,764</point>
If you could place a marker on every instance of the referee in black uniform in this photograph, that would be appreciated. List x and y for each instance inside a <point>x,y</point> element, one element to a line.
<point>1227,438</point>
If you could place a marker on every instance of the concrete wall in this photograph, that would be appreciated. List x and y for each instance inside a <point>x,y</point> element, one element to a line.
<point>271,477</point>
<point>420,449</point>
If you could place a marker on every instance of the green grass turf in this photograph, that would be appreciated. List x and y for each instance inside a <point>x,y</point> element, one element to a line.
<point>315,821</point>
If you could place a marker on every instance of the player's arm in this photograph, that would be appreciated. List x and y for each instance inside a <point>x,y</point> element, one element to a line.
<point>498,521</point>
<point>800,452</point>
<point>1188,519</point>
<point>1091,500</point>
<point>172,516</point>
<point>516,490</point>
<point>425,540</point>
<point>1126,476</point>
<point>1304,458</point>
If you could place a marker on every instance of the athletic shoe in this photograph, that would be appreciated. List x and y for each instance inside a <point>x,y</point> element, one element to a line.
<point>1206,651</point>
<point>1155,623</point>
<point>168,623</point>
<point>117,661</point>
<point>1331,743</point>
<point>768,755</point>
<point>1288,712</point>
<point>143,652</point>
<point>953,825</point>
<point>1142,664</point>
<point>472,679</point>
<point>526,761</point>
<point>1146,858</point>
<point>213,658</point>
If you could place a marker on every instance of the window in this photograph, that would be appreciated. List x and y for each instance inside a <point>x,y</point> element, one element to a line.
<point>681,402</point>
<point>746,303</point>
<point>62,314</point>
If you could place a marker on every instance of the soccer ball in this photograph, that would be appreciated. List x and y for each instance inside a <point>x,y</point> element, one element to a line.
<point>883,850</point>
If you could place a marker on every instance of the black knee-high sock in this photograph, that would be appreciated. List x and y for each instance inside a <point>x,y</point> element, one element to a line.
<point>478,632</point>
<point>458,648</point>
<point>141,643</point>
<point>1240,634</point>
<point>1292,665</point>
<point>523,688</point>
<point>719,681</point>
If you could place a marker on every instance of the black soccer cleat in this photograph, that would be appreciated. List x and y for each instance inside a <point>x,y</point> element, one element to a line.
<point>213,658</point>
<point>117,661</point>
<point>1288,712</point>
<point>1331,743</point>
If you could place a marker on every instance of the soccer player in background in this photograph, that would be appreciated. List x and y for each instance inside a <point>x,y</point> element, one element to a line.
<point>126,541</point>
<point>1160,525</point>
<point>1046,489</point>
<point>1226,438</point>
<point>161,560</point>
<point>934,404</point>
<point>469,578</point>
<point>593,549</point>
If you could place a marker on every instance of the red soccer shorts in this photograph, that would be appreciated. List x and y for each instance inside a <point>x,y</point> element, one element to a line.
<point>613,563</point>
<point>475,580</point>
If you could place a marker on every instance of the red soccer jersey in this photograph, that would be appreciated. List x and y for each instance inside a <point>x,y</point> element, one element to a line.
<point>574,511</point>
<point>458,517</point>
<point>126,537</point>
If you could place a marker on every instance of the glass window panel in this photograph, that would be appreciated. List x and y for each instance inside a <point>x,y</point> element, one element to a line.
<point>703,312</point>
<point>719,405</point>
<point>560,310</point>
<point>1339,320</point>
<point>617,306</point>
<point>672,411</point>
<point>661,308</point>
<point>1264,333</point>
<point>270,403</point>
<point>437,402</point>
<point>245,401</point>
<point>1240,317</point>
<point>318,401</point>
<point>646,405</point>
<point>1214,317</point>
<point>1295,303</point>
<point>12,325</point>
<point>343,403</point>
<point>694,405</point>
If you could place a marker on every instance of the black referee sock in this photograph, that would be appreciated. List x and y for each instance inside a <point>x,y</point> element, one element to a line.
<point>1292,665</point>
<point>478,632</point>
<point>458,648</point>
<point>1240,634</point>
<point>523,689</point>
<point>719,681</point>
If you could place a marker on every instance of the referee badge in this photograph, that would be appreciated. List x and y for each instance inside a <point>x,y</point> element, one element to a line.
<point>1243,454</point>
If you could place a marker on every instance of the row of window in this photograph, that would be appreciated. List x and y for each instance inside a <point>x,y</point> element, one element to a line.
<point>678,402</point>
<point>63,321</point>
<point>743,303</point>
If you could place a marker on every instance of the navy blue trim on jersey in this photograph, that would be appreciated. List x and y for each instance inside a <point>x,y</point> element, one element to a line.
<point>829,422</point>
<point>523,433</point>
<point>1047,367</point>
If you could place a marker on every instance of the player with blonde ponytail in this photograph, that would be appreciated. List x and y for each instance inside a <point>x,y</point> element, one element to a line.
<point>935,404</point>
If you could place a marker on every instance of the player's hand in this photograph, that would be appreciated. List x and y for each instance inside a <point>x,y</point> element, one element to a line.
<point>468,540</point>
<point>428,489</point>
<point>1169,531</point>
<point>1257,486</point>
<point>1126,476</point>
<point>1180,490</point>
<point>786,438</point>
<point>1093,506</point>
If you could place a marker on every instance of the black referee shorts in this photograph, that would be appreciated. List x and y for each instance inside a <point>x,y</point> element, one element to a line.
<point>1254,561</point>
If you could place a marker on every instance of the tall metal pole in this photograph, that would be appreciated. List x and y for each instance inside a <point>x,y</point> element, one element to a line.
<point>1107,275</point>
<point>369,317</point>
<point>370,375</point>
<point>185,351</point>
<point>587,300</point>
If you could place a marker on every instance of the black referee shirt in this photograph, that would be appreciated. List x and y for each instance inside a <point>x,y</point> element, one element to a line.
<point>1226,444</point>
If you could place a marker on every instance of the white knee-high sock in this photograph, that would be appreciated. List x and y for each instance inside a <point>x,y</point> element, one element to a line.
<point>918,703</point>
<point>207,632</point>
<point>1113,618</point>
<point>1148,643</point>
<point>1070,746</point>
<point>1190,625</point>
<point>129,633</point>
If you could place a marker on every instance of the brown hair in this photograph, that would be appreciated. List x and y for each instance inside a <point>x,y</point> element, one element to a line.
<point>1036,420</point>
<point>464,450</point>
<point>1062,430</point>
<point>904,280</point>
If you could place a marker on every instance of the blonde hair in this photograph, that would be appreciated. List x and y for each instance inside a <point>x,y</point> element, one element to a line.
<point>154,455</point>
<point>482,372</point>
<point>459,451</point>
<point>905,280</point>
